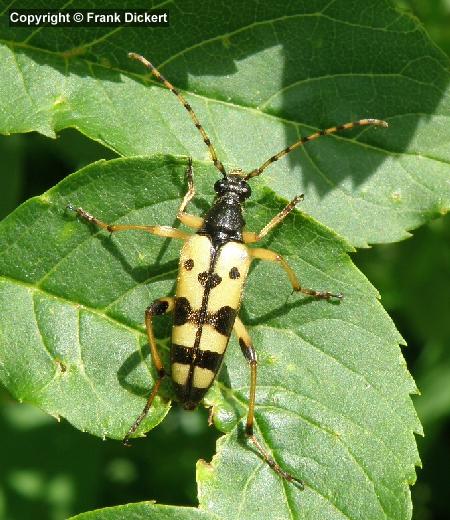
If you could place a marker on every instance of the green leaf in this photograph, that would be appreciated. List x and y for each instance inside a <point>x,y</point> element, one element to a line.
<point>258,80</point>
<point>333,401</point>
<point>144,511</point>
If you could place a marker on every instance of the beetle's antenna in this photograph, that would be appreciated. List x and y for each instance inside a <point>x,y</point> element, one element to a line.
<point>312,137</point>
<point>187,106</point>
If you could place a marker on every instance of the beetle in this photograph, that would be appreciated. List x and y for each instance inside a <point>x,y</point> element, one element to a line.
<point>213,267</point>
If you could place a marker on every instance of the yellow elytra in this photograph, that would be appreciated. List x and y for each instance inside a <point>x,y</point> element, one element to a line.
<point>208,296</point>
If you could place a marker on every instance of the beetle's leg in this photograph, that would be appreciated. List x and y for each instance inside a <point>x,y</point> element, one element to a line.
<point>157,308</point>
<point>271,256</point>
<point>251,236</point>
<point>161,231</point>
<point>250,355</point>
<point>187,219</point>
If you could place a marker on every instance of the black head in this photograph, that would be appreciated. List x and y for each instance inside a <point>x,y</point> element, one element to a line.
<point>234,186</point>
<point>224,220</point>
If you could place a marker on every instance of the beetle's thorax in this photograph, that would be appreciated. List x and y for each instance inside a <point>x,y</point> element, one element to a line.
<point>224,221</point>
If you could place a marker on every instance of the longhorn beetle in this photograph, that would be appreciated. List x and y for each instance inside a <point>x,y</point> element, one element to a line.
<point>214,264</point>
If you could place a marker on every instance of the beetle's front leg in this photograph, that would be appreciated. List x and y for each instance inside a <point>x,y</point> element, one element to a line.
<point>271,256</point>
<point>161,231</point>
<point>249,352</point>
<point>187,219</point>
<point>251,236</point>
<point>157,308</point>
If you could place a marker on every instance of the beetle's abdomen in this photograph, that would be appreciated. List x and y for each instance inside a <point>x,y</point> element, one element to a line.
<point>208,296</point>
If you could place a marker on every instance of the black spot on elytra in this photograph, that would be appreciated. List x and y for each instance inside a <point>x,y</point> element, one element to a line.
<point>208,359</point>
<point>182,311</point>
<point>181,354</point>
<point>189,264</point>
<point>234,273</point>
<point>214,279</point>
<point>189,396</point>
<point>224,320</point>
<point>201,358</point>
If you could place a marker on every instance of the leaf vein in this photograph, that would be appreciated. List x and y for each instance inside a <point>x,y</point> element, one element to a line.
<point>358,463</point>
<point>303,81</point>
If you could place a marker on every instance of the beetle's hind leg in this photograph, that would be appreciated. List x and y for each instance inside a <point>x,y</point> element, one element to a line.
<point>249,352</point>
<point>187,219</point>
<point>157,308</point>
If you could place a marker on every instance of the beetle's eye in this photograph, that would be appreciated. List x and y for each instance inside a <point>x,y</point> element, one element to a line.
<point>219,186</point>
<point>246,190</point>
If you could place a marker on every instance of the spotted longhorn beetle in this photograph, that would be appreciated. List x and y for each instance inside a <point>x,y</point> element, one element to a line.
<point>214,264</point>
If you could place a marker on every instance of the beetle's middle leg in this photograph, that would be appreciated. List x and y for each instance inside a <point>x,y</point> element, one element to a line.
<point>250,355</point>
<point>271,256</point>
<point>187,219</point>
<point>157,308</point>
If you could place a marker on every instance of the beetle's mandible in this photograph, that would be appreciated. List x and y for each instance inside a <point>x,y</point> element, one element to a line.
<point>214,264</point>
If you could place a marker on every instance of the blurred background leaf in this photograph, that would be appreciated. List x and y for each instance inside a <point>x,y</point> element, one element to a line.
<point>51,470</point>
<point>434,15</point>
<point>12,154</point>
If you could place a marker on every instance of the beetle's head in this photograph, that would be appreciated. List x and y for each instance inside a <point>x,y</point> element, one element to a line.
<point>233,185</point>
